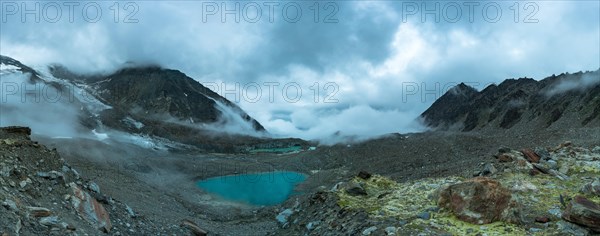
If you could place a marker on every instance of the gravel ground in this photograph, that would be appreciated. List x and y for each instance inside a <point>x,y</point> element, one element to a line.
<point>160,186</point>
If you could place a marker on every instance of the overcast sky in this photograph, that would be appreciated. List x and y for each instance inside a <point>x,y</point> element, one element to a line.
<point>363,67</point>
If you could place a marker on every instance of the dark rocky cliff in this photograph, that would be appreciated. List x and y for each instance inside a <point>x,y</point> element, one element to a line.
<point>563,101</point>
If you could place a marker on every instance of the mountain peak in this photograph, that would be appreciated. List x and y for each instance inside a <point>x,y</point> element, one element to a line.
<point>150,92</point>
<point>524,103</point>
<point>448,107</point>
<point>462,89</point>
<point>131,67</point>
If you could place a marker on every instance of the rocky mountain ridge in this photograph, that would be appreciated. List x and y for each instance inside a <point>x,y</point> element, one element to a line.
<point>556,102</point>
<point>154,91</point>
<point>158,107</point>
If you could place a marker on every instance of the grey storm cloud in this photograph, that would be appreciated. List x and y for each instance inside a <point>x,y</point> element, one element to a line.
<point>322,45</point>
<point>385,61</point>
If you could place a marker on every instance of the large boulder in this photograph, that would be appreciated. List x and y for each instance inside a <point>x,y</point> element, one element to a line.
<point>480,200</point>
<point>583,212</point>
<point>90,209</point>
<point>515,160</point>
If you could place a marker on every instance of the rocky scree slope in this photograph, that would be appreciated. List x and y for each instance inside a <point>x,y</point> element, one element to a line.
<point>566,100</point>
<point>41,194</point>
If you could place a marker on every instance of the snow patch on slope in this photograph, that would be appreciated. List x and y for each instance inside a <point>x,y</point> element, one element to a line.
<point>8,68</point>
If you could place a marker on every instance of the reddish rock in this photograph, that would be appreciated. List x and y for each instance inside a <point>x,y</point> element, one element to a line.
<point>39,211</point>
<point>480,200</point>
<point>531,156</point>
<point>90,209</point>
<point>196,230</point>
<point>504,158</point>
<point>542,219</point>
<point>583,212</point>
<point>534,172</point>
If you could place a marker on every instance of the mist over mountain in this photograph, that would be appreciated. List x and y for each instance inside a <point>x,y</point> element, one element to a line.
<point>151,101</point>
<point>149,136</point>
<point>154,92</point>
<point>139,104</point>
<point>556,102</point>
<point>299,118</point>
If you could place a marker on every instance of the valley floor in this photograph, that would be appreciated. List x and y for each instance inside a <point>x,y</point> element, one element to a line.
<point>160,186</point>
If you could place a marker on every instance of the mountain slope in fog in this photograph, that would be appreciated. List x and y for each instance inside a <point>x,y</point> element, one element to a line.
<point>152,93</point>
<point>138,103</point>
<point>556,102</point>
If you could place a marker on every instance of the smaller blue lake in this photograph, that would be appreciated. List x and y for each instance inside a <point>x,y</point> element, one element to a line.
<point>269,188</point>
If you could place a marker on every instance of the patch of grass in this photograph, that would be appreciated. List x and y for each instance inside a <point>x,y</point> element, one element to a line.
<point>387,198</point>
<point>538,196</point>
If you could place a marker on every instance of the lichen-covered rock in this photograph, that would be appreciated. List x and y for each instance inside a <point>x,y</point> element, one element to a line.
<point>583,212</point>
<point>355,189</point>
<point>566,228</point>
<point>592,188</point>
<point>517,161</point>
<point>479,201</point>
<point>489,169</point>
<point>532,208</point>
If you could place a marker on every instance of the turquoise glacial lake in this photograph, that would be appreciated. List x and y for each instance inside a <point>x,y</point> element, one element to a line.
<point>264,189</point>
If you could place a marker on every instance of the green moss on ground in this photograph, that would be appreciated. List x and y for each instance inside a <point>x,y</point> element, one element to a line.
<point>538,195</point>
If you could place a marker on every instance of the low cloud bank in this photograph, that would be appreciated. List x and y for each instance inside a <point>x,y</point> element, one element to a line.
<point>355,123</point>
<point>569,84</point>
<point>34,105</point>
